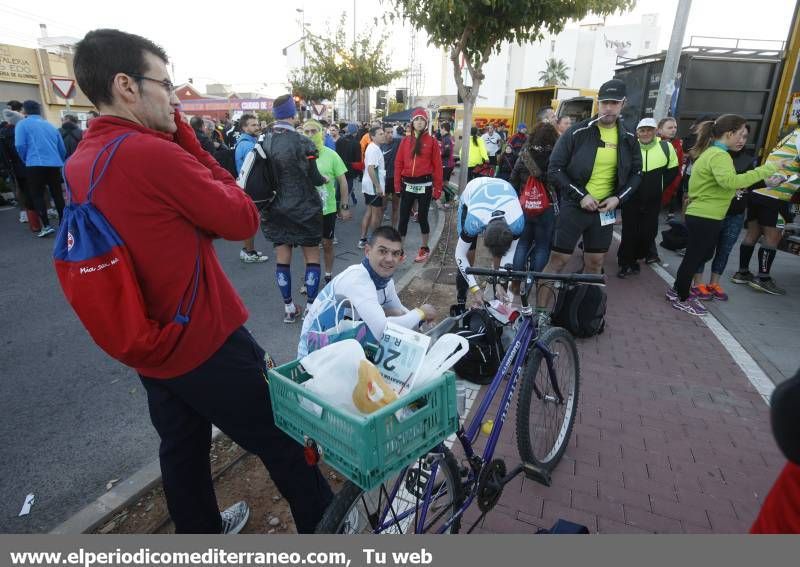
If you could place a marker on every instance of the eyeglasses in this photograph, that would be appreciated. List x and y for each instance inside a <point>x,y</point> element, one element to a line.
<point>166,83</point>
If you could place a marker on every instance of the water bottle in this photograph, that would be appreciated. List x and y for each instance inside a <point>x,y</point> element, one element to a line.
<point>461,399</point>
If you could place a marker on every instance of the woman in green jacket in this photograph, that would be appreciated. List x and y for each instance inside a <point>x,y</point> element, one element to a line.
<point>477,153</point>
<point>712,186</point>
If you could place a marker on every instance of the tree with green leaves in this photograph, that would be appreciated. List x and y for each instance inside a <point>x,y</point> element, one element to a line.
<point>474,29</point>
<point>555,72</point>
<point>310,86</point>
<point>350,66</point>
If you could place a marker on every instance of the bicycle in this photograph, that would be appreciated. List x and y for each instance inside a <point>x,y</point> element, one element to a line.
<point>432,494</point>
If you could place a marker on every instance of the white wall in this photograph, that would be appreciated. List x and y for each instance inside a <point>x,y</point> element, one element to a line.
<point>590,54</point>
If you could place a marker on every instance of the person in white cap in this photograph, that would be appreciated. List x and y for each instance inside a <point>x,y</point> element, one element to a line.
<point>640,212</point>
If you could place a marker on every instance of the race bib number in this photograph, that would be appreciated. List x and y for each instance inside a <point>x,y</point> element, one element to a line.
<point>399,356</point>
<point>608,217</point>
<point>418,189</point>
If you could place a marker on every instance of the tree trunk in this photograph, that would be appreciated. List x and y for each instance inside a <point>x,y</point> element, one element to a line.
<point>469,104</point>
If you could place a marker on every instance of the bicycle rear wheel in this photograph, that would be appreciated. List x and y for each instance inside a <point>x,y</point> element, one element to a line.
<point>355,511</point>
<point>544,421</point>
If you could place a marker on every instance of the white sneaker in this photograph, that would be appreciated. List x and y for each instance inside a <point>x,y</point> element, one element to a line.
<point>235,518</point>
<point>52,213</point>
<point>23,216</point>
<point>290,313</point>
<point>46,231</point>
<point>252,257</point>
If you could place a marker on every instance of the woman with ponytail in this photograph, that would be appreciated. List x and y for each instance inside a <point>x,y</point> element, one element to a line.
<point>418,177</point>
<point>712,185</point>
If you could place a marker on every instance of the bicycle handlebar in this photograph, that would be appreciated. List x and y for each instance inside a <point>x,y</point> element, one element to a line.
<point>518,275</point>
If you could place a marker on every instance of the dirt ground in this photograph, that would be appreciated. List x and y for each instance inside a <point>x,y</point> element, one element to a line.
<point>240,476</point>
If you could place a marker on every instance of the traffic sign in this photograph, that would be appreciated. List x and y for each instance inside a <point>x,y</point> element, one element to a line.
<point>319,109</point>
<point>64,87</point>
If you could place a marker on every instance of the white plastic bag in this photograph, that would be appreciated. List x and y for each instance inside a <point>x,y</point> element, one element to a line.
<point>334,371</point>
<point>444,353</point>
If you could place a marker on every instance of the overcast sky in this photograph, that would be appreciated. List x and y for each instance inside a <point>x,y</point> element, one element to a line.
<point>241,42</point>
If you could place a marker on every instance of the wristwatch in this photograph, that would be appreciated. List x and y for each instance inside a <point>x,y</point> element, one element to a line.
<point>344,206</point>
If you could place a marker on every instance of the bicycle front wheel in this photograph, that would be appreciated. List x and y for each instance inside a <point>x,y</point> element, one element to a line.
<point>354,511</point>
<point>547,404</point>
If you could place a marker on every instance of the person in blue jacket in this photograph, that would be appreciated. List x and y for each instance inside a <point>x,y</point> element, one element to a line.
<point>248,123</point>
<point>41,148</point>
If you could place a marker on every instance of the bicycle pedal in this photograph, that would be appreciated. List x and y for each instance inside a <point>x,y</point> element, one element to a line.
<point>538,474</point>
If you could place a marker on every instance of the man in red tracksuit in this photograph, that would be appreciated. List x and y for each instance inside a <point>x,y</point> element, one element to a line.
<point>169,199</point>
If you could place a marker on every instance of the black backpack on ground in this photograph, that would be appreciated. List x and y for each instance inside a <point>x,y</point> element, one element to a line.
<point>676,237</point>
<point>257,177</point>
<point>485,353</point>
<point>581,310</point>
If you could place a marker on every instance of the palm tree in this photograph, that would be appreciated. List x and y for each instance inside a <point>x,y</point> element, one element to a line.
<point>555,72</point>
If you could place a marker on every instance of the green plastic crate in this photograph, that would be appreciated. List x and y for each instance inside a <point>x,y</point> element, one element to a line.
<point>367,449</point>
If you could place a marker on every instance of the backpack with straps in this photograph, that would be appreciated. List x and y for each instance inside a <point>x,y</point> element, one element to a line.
<point>257,176</point>
<point>98,279</point>
<point>581,310</point>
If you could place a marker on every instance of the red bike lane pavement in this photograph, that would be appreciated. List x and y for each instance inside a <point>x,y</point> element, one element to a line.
<point>670,435</point>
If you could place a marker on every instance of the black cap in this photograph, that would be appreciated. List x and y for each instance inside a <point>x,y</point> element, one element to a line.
<point>611,90</point>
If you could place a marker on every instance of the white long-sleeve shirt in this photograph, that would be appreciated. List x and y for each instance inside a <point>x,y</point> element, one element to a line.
<point>362,301</point>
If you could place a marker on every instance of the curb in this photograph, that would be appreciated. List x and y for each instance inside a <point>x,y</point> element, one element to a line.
<point>142,481</point>
<point>121,496</point>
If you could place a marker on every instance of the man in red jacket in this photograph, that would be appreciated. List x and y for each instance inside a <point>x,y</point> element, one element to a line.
<point>168,199</point>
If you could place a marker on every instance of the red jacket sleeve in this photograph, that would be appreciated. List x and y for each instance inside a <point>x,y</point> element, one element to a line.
<point>436,161</point>
<point>400,162</point>
<point>207,196</point>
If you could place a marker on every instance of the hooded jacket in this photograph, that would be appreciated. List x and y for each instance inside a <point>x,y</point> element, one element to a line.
<point>295,215</point>
<point>572,160</point>
<point>38,143</point>
<point>71,134</point>
<point>419,168</point>
<point>167,202</point>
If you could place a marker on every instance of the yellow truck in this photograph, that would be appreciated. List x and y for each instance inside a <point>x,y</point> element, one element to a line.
<point>577,103</point>
<point>481,116</point>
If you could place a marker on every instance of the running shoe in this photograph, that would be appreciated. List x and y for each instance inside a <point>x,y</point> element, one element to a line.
<point>328,278</point>
<point>23,216</point>
<point>741,277</point>
<point>423,254</point>
<point>52,213</point>
<point>702,292</point>
<point>46,231</point>
<point>252,256</point>
<point>691,306</point>
<point>717,292</point>
<point>290,313</point>
<point>303,290</point>
<point>362,243</point>
<point>767,286</point>
<point>624,272</point>
<point>235,518</point>
<point>671,295</point>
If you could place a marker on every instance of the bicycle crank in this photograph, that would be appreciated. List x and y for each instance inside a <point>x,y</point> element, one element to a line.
<point>490,485</point>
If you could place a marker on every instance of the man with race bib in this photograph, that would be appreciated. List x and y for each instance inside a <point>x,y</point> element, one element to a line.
<point>365,292</point>
<point>488,206</point>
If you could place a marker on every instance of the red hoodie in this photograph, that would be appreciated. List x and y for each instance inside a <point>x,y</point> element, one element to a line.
<point>428,162</point>
<point>157,194</point>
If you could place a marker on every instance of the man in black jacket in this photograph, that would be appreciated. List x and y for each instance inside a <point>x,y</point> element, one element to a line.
<point>597,165</point>
<point>71,133</point>
<point>199,127</point>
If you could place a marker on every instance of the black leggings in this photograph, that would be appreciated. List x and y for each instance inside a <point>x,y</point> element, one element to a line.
<point>40,179</point>
<point>406,204</point>
<point>703,236</point>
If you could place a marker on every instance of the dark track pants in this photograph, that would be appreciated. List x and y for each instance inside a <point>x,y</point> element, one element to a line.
<point>230,391</point>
